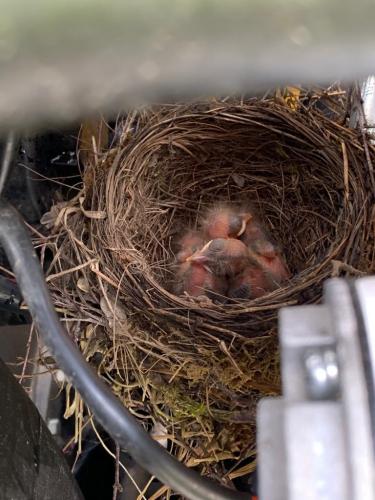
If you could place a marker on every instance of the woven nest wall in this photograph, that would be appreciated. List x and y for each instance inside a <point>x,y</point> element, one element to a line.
<point>199,368</point>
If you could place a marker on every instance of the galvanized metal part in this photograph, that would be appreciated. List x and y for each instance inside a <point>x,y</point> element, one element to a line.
<point>322,374</point>
<point>368,100</point>
<point>63,59</point>
<point>364,296</point>
<point>317,441</point>
<point>363,107</point>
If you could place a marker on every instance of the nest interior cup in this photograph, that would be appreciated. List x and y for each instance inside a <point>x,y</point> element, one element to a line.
<point>290,166</point>
<point>200,368</point>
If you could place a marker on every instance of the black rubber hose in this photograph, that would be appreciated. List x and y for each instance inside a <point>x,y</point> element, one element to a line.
<point>108,410</point>
<point>29,155</point>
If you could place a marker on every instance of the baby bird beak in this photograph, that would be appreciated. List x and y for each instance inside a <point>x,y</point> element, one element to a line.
<point>200,255</point>
<point>246,218</point>
<point>199,258</point>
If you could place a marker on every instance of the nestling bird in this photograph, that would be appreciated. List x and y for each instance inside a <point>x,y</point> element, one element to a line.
<point>251,283</point>
<point>189,244</point>
<point>224,222</point>
<point>224,257</point>
<point>196,279</point>
<point>268,257</point>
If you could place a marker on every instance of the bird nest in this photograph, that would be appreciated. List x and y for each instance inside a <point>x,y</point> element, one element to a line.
<point>199,367</point>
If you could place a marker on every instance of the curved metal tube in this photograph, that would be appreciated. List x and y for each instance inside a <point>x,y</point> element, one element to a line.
<point>108,410</point>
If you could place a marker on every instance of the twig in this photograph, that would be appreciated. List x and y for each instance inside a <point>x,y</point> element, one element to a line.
<point>71,270</point>
<point>48,178</point>
<point>346,169</point>
<point>117,488</point>
<point>6,271</point>
<point>120,463</point>
<point>28,348</point>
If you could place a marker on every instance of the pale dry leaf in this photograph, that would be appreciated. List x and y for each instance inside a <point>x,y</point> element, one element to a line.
<point>49,218</point>
<point>158,432</point>
<point>71,405</point>
<point>225,455</point>
<point>92,214</point>
<point>89,330</point>
<point>83,285</point>
<point>113,310</point>
<point>92,342</point>
<point>239,180</point>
